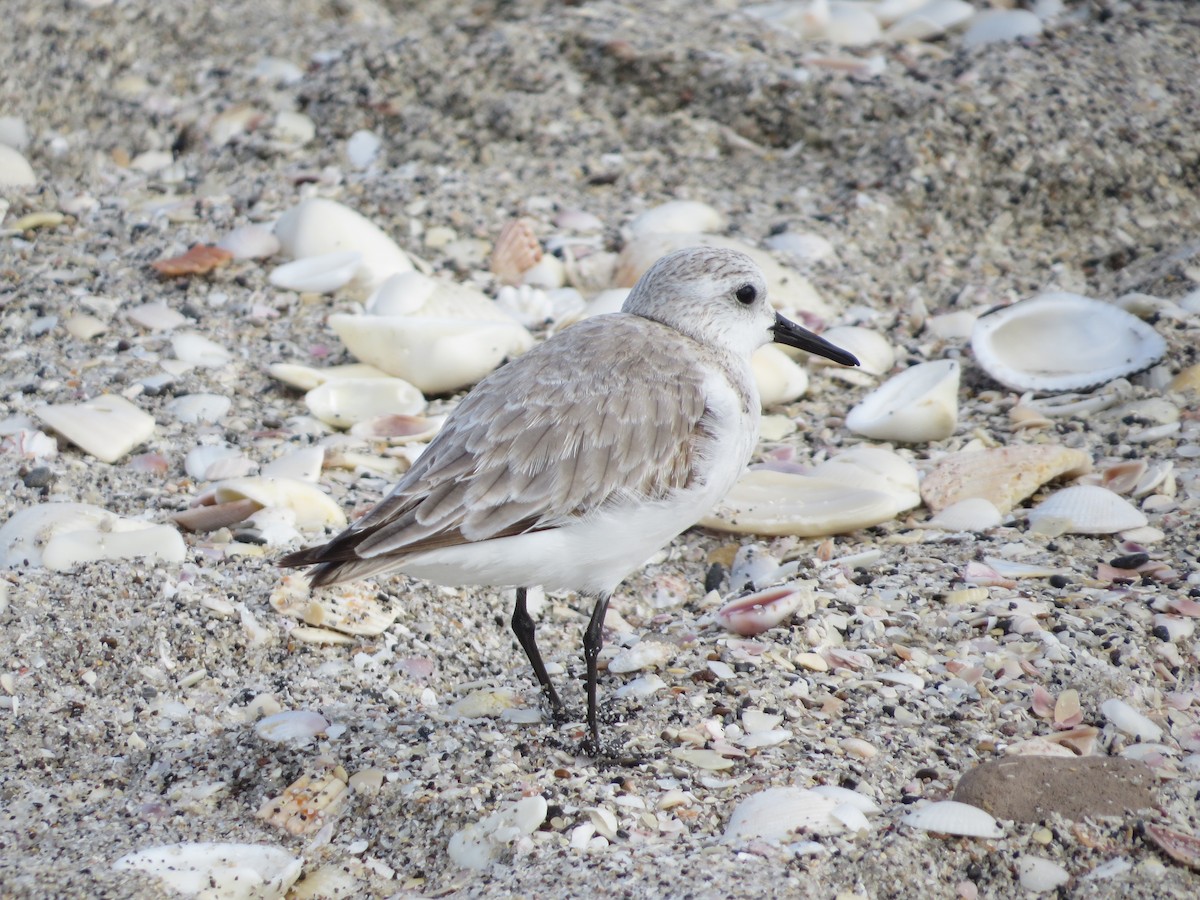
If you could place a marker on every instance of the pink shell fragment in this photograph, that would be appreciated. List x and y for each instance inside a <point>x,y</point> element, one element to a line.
<point>760,611</point>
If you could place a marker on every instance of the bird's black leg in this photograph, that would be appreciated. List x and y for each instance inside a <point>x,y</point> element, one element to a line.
<point>593,640</point>
<point>523,627</point>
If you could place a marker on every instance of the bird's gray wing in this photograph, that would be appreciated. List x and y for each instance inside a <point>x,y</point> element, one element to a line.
<point>546,439</point>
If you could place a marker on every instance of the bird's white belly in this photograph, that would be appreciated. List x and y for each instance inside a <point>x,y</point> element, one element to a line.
<point>594,554</point>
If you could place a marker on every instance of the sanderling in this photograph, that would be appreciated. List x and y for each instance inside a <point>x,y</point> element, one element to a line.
<point>574,463</point>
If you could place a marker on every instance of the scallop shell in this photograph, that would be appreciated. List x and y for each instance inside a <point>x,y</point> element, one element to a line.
<point>317,226</point>
<point>780,813</point>
<point>435,355</point>
<point>677,217</point>
<point>229,871</point>
<point>1085,509</point>
<point>758,612</point>
<point>788,290</point>
<point>1063,342</point>
<point>516,251</point>
<point>953,817</point>
<point>777,503</point>
<point>345,402</point>
<point>920,404</point>
<point>779,378</point>
<point>107,426</point>
<point>321,274</point>
<point>1004,476</point>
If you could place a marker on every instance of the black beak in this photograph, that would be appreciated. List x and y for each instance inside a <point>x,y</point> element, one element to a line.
<point>787,332</point>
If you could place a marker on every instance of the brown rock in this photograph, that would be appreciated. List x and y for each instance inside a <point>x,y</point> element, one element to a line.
<point>1030,788</point>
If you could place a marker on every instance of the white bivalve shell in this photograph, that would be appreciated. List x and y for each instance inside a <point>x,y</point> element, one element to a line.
<point>229,871</point>
<point>344,402</point>
<point>1063,342</point>
<point>1085,509</point>
<point>316,227</point>
<point>920,404</point>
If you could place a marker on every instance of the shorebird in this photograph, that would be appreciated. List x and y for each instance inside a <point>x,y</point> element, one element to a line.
<point>572,464</point>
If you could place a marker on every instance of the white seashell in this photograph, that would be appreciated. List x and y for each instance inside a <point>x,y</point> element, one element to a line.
<point>348,608</point>
<point>484,704</point>
<point>778,503</point>
<point>436,355</point>
<point>1003,475</point>
<point>875,352</point>
<point>955,326</point>
<point>755,613</point>
<point>313,507</point>
<point>876,469</point>
<point>214,463</point>
<point>846,797</point>
<point>1063,342</point>
<point>250,242</point>
<point>107,426</point>
<point>974,514</point>
<point>920,404</point>
<point>212,870</point>
<point>14,132</point>
<point>291,127</point>
<point>549,274</point>
<point>416,294</point>
<point>645,654</point>
<point>192,409</point>
<point>318,226</point>
<point>155,317</point>
<point>29,443</point>
<point>994,25</point>
<point>1084,509</point>
<point>779,378</point>
<point>306,377</point>
<point>788,290</point>
<point>777,814</point>
<point>755,721</point>
<point>271,525</point>
<point>398,429</point>
<point>347,401</point>
<point>953,817</point>
<point>197,350</point>
<point>478,845</point>
<point>677,217</point>
<point>1040,875</point>
<point>529,306</point>
<point>67,550</point>
<point>15,170</point>
<point>1130,721</point>
<point>322,274</point>
<point>362,148</point>
<point>298,726</point>
<point>929,20</point>
<point>753,567</point>
<point>590,273</point>
<point>801,247</point>
<point>850,25</point>
<point>888,11</point>
<point>304,464</point>
<point>640,687</point>
<point>30,532</point>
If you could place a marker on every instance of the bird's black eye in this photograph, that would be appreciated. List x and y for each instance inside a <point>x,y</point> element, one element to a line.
<point>746,294</point>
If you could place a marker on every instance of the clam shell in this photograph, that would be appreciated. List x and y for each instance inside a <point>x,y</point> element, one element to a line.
<point>973,514</point>
<point>30,532</point>
<point>107,426</point>
<point>1035,873</point>
<point>1063,342</point>
<point>516,251</point>
<point>677,217</point>
<point>435,355</point>
<point>345,402</point>
<point>295,726</point>
<point>874,351</point>
<point>758,612</point>
<point>304,464</point>
<point>787,289</point>
<point>211,462</point>
<point>780,813</point>
<point>317,226</point>
<point>229,871</point>
<point>477,845</point>
<point>250,242</point>
<point>953,817</point>
<point>69,549</point>
<point>920,404</point>
<point>193,409</point>
<point>197,350</point>
<point>313,507</point>
<point>1004,476</point>
<point>416,294</point>
<point>321,274</point>
<point>1130,721</point>
<point>876,469</point>
<point>306,377</point>
<point>778,503</point>
<point>1085,509</point>
<point>779,378</point>
<point>398,429</point>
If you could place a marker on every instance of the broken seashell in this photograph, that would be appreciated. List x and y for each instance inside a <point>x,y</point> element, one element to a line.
<point>1034,873</point>
<point>199,260</point>
<point>755,613</point>
<point>477,845</point>
<point>516,251</point>
<point>304,464</point>
<point>229,871</point>
<point>69,549</point>
<point>308,803</point>
<point>250,242</point>
<point>876,469</point>
<point>211,462</point>
<point>349,608</point>
<point>778,503</point>
<point>398,429</point>
<point>35,530</point>
<point>1060,341</point>
<point>197,350</point>
<point>193,409</point>
<point>676,217</point>
<point>306,377</point>
<point>107,426</point>
<point>318,226</point>
<point>15,170</point>
<point>995,25</point>
<point>920,404</point>
<point>953,817</point>
<point>436,355</point>
<point>155,317</point>
<point>1084,509</point>
<point>345,402</point>
<point>295,726</point>
<point>214,516</point>
<point>321,274</point>
<point>313,507</point>
<point>416,294</point>
<point>1003,475</point>
<point>975,514</point>
<point>1130,721</point>
<point>780,813</point>
<point>873,350</point>
<point>779,378</point>
<point>929,20</point>
<point>645,654</point>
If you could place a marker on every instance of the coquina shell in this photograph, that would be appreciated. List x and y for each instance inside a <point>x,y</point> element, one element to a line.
<point>1063,342</point>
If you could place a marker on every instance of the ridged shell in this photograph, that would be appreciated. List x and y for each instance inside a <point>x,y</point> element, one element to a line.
<point>1063,342</point>
<point>920,404</point>
<point>349,608</point>
<point>308,803</point>
<point>1085,509</point>
<point>517,250</point>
